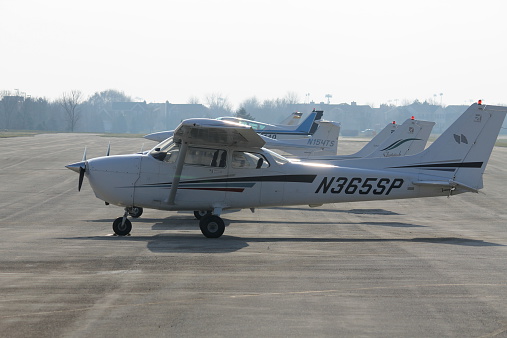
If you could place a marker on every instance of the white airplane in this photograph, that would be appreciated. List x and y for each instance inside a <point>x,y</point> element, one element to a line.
<point>215,165</point>
<point>406,139</point>
<point>323,142</point>
<point>287,129</point>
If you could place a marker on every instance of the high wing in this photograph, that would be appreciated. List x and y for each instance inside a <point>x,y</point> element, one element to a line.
<point>217,133</point>
<point>159,136</point>
<point>306,125</point>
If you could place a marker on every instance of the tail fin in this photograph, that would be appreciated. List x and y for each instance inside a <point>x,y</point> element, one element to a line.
<point>375,142</point>
<point>307,125</point>
<point>461,153</point>
<point>323,142</point>
<point>408,139</point>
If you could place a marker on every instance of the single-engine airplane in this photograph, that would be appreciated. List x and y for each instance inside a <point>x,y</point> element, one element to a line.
<point>288,129</point>
<point>214,165</point>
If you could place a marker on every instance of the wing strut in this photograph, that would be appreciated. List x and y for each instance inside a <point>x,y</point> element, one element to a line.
<point>177,173</point>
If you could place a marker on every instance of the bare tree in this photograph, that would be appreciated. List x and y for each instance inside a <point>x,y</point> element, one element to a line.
<point>193,100</point>
<point>104,99</point>
<point>70,102</point>
<point>218,104</point>
<point>291,98</point>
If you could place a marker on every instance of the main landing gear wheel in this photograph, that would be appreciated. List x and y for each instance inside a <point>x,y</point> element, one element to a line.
<point>198,214</point>
<point>212,226</point>
<point>135,212</point>
<point>122,230</point>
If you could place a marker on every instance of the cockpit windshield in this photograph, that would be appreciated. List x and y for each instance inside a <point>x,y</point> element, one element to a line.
<point>164,145</point>
<point>166,151</point>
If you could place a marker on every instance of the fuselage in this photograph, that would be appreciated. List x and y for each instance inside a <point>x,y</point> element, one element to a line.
<point>232,178</point>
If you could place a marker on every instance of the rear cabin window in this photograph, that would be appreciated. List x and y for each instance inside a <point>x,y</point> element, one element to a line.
<point>248,160</point>
<point>206,157</point>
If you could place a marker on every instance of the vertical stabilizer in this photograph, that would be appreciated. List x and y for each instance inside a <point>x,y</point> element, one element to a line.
<point>408,139</point>
<point>308,125</point>
<point>375,142</point>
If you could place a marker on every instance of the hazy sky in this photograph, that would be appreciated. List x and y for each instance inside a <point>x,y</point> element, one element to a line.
<point>370,52</point>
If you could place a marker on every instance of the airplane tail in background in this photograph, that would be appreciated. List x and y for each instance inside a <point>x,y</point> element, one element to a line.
<point>408,139</point>
<point>309,124</point>
<point>375,142</point>
<point>459,156</point>
<point>293,120</point>
<point>323,142</point>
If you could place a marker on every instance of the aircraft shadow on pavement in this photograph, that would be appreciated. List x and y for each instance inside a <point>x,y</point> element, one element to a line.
<point>436,240</point>
<point>197,243</point>
<point>394,224</point>
<point>351,211</point>
<point>308,222</point>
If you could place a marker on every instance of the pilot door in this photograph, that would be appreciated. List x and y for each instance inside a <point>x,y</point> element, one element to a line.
<point>203,179</point>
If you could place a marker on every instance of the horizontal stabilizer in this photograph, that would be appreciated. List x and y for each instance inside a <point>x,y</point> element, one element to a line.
<point>446,184</point>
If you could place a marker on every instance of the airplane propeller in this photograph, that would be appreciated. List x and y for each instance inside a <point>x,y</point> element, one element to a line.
<point>79,167</point>
<point>81,176</point>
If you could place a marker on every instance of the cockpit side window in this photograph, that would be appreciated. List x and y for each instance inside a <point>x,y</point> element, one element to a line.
<point>249,160</point>
<point>206,157</point>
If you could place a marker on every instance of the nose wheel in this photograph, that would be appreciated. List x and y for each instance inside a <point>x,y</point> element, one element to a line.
<point>122,226</point>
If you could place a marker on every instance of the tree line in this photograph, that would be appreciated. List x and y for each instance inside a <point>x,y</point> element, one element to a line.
<point>105,112</point>
<point>73,112</point>
<point>67,113</point>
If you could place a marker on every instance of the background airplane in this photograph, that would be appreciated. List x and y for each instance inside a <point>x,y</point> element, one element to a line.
<point>323,142</point>
<point>287,129</point>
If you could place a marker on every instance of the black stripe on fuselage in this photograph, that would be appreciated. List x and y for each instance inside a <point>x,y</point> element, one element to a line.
<point>271,178</point>
<point>444,166</point>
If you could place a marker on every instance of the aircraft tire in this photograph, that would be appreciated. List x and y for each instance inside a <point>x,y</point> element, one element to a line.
<point>135,212</point>
<point>198,214</point>
<point>122,230</point>
<point>212,226</point>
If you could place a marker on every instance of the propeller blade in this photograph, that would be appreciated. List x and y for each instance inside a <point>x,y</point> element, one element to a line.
<point>84,155</point>
<point>108,149</point>
<point>81,176</point>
